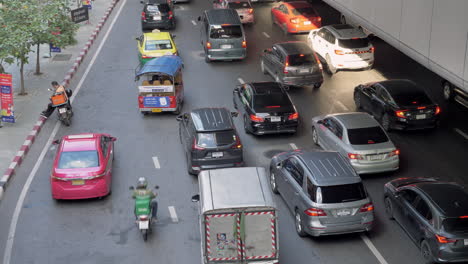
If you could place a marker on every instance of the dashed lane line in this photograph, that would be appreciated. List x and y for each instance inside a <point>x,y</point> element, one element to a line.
<point>194,23</point>
<point>173,214</point>
<point>293,146</point>
<point>266,34</point>
<point>373,249</point>
<point>240,80</point>
<point>463,134</point>
<point>156,162</point>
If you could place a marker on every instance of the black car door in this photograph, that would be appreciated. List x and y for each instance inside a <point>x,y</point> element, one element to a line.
<point>246,100</point>
<point>419,219</point>
<point>402,200</point>
<point>367,92</point>
<point>274,61</point>
<point>378,102</point>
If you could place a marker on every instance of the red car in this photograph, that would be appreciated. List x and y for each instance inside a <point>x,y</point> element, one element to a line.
<point>83,166</point>
<point>295,17</point>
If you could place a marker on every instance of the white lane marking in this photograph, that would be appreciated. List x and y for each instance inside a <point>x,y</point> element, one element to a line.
<point>181,7</point>
<point>156,163</point>
<point>32,174</point>
<point>240,80</point>
<point>266,35</point>
<point>373,249</point>
<point>293,146</point>
<point>173,214</point>
<point>463,134</point>
<point>194,23</point>
<point>340,104</point>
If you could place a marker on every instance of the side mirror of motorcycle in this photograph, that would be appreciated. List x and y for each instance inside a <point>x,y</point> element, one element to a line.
<point>156,187</point>
<point>199,18</point>
<point>49,89</point>
<point>55,142</point>
<point>180,118</point>
<point>131,188</point>
<point>279,165</point>
<point>234,114</point>
<point>196,198</point>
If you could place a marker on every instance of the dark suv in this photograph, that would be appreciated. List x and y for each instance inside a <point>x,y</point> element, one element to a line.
<point>210,139</point>
<point>158,14</point>
<point>292,63</point>
<point>433,213</point>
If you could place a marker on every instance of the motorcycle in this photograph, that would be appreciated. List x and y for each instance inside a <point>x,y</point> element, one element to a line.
<point>60,102</point>
<point>144,214</point>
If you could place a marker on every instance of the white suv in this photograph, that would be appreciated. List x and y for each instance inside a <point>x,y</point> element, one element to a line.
<point>342,46</point>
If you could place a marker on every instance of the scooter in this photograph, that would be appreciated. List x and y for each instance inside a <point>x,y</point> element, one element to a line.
<point>144,214</point>
<point>64,113</point>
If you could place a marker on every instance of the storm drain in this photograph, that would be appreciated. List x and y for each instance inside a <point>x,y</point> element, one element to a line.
<point>62,57</point>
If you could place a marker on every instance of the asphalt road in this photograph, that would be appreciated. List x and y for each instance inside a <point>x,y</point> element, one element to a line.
<point>103,230</point>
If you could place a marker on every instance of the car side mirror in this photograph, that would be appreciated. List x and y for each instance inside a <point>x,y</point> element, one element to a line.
<point>234,114</point>
<point>180,118</point>
<point>199,18</point>
<point>113,139</point>
<point>236,90</point>
<point>55,142</point>
<point>173,36</point>
<point>156,187</point>
<point>196,198</point>
<point>137,39</point>
<point>131,188</point>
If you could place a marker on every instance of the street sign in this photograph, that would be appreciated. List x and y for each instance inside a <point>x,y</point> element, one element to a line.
<point>87,3</point>
<point>6,96</point>
<point>80,14</point>
<point>54,48</point>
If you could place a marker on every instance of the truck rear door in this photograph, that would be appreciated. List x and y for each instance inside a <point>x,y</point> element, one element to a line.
<point>222,241</point>
<point>260,241</point>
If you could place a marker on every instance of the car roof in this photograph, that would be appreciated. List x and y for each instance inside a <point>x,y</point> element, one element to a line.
<point>345,31</point>
<point>453,205</point>
<point>212,119</point>
<point>298,4</point>
<point>157,35</point>
<point>329,168</point>
<point>356,120</point>
<point>260,88</point>
<point>223,16</point>
<point>294,47</point>
<point>79,142</point>
<point>400,86</point>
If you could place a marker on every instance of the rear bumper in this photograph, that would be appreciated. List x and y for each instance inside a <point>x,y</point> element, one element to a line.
<point>63,190</point>
<point>445,255</point>
<point>376,167</point>
<point>402,124</point>
<point>314,228</point>
<point>303,80</point>
<point>247,19</point>
<point>352,65</point>
<point>199,166</point>
<point>227,54</point>
<point>157,24</point>
<point>272,128</point>
<point>303,29</point>
<point>163,109</point>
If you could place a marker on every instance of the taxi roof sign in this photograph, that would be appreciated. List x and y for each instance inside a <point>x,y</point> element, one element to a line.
<point>81,136</point>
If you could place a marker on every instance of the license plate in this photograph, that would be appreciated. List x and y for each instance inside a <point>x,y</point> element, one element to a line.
<point>216,154</point>
<point>465,242</point>
<point>303,70</point>
<point>157,18</point>
<point>77,182</point>
<point>226,46</point>
<point>306,22</point>
<point>156,110</point>
<point>143,224</point>
<point>343,212</point>
<point>275,118</point>
<point>420,116</point>
<point>375,157</point>
<point>62,110</point>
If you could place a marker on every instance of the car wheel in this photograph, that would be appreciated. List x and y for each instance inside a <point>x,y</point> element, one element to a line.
<point>189,165</point>
<point>330,67</point>
<point>207,60</point>
<point>388,208</point>
<point>262,67</point>
<point>386,122</point>
<point>298,222</point>
<point>317,85</point>
<point>448,91</point>
<point>246,129</point>
<point>343,19</point>
<point>357,100</point>
<point>315,136</point>
<point>426,252</point>
<point>273,185</point>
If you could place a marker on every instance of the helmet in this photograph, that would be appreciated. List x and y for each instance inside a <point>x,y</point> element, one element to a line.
<point>142,183</point>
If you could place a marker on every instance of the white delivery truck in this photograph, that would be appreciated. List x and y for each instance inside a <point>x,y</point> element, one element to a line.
<point>432,32</point>
<point>238,217</point>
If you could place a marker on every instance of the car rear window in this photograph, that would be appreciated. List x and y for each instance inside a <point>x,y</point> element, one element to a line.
<point>305,11</point>
<point>160,44</point>
<point>272,103</point>
<point>301,59</point>
<point>354,43</point>
<point>78,159</point>
<point>226,32</point>
<point>163,8</point>
<point>239,5</point>
<point>341,193</point>
<point>367,135</point>
<point>216,139</point>
<point>412,98</point>
<point>455,224</point>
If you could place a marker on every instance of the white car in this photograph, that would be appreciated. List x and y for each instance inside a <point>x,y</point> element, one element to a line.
<point>243,7</point>
<point>342,46</point>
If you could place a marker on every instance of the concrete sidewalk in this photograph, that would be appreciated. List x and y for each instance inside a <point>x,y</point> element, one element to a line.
<point>16,138</point>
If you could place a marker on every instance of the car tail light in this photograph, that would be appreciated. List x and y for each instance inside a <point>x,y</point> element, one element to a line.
<point>293,116</point>
<point>395,152</point>
<point>444,240</point>
<point>372,49</point>
<point>238,144</point>
<point>208,45</point>
<point>319,19</point>
<point>256,118</point>
<point>195,146</point>
<point>401,113</point>
<point>437,110</point>
<point>250,10</point>
<point>140,99</point>
<point>244,44</point>
<point>315,212</point>
<point>143,217</point>
<point>354,156</point>
<point>171,99</point>
<point>145,57</point>
<point>273,106</point>
<point>339,52</point>
<point>294,20</point>
<point>170,15</point>
<point>463,216</point>
<point>367,208</point>
<point>143,15</point>
<point>286,65</point>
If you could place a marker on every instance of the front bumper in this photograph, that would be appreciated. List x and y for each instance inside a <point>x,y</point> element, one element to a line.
<point>376,167</point>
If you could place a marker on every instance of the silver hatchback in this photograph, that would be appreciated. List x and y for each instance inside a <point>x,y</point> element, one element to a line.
<point>359,138</point>
<point>323,192</point>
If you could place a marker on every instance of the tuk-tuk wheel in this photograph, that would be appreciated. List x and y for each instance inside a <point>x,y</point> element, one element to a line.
<point>144,113</point>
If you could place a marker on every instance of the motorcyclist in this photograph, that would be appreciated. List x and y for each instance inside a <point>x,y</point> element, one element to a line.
<point>142,190</point>
<point>57,89</point>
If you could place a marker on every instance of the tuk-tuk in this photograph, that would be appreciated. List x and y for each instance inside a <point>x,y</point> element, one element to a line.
<point>161,86</point>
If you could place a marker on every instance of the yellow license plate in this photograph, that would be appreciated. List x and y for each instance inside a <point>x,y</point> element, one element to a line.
<point>156,110</point>
<point>77,182</point>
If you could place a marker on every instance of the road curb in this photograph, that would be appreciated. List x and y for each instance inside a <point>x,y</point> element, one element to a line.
<point>24,149</point>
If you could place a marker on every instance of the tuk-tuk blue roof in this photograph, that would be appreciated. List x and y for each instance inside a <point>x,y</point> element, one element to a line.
<point>165,64</point>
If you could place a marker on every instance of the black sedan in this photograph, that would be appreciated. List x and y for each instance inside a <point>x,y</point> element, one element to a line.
<point>433,213</point>
<point>266,108</point>
<point>397,104</point>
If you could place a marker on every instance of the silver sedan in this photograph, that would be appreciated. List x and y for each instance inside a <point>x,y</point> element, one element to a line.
<point>360,138</point>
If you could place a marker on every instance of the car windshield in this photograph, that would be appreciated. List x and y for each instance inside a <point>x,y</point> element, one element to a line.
<point>163,8</point>
<point>239,5</point>
<point>301,59</point>
<point>78,159</point>
<point>354,43</point>
<point>366,135</point>
<point>161,44</point>
<point>225,32</point>
<point>455,224</point>
<point>216,139</point>
<point>305,11</point>
<point>412,98</point>
<point>341,193</point>
<point>272,103</point>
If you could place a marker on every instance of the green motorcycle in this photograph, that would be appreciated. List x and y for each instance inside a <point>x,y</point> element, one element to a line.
<point>144,213</point>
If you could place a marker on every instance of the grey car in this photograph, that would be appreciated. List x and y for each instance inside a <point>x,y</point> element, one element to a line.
<point>323,192</point>
<point>359,138</point>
